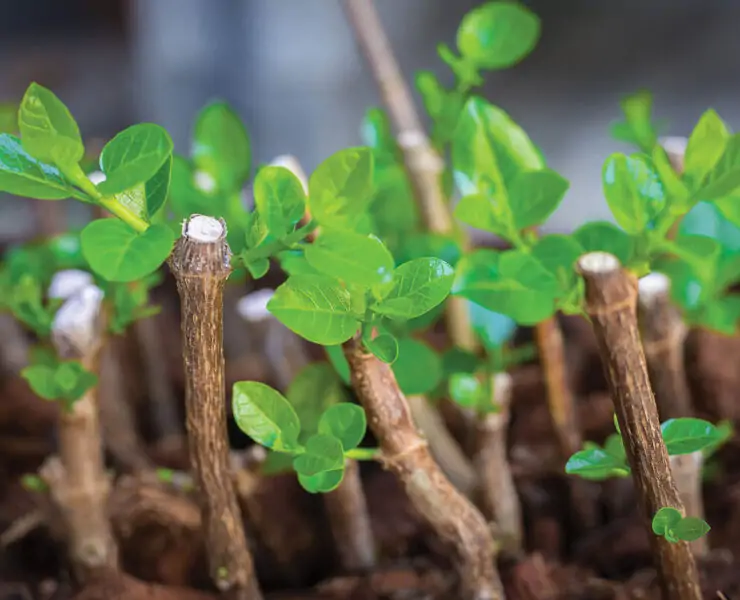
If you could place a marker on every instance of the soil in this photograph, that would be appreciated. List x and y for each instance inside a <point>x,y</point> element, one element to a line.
<point>159,531</point>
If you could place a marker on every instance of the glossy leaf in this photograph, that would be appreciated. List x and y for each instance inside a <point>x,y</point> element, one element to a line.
<point>467,390</point>
<point>323,453</point>
<point>48,131</point>
<point>118,253</point>
<point>534,196</point>
<point>279,198</point>
<point>341,187</point>
<point>665,519</point>
<point>724,178</point>
<point>64,381</point>
<point>315,388</point>
<point>23,175</point>
<point>265,416</point>
<point>346,422</point>
<point>384,347</point>
<point>316,308</point>
<point>134,156</point>
<point>690,529</point>
<point>705,147</point>
<point>323,482</point>
<point>221,147</point>
<point>687,435</point>
<point>478,211</point>
<point>601,236</point>
<point>497,35</point>
<point>558,254</point>
<point>596,464</point>
<point>416,287</point>
<point>633,191</point>
<point>351,257</point>
<point>418,368</point>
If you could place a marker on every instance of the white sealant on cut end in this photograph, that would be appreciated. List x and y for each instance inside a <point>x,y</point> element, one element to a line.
<point>598,262</point>
<point>204,182</point>
<point>253,307</point>
<point>203,229</point>
<point>652,287</point>
<point>97,177</point>
<point>674,144</point>
<point>290,162</point>
<point>68,282</point>
<point>75,323</point>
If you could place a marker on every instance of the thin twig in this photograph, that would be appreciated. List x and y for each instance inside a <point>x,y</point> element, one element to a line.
<point>200,263</point>
<point>611,302</point>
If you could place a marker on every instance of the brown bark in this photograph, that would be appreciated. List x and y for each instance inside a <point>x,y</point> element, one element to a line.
<point>200,263</point>
<point>611,302</point>
<point>663,334</point>
<point>406,454</point>
<point>77,479</point>
<point>349,521</point>
<point>498,493</point>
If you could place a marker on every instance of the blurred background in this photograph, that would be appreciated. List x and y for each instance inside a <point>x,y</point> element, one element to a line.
<point>291,69</point>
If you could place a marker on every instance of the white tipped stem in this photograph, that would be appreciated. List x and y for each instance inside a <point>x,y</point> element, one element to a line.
<point>291,163</point>
<point>653,287</point>
<point>253,307</point>
<point>67,283</point>
<point>203,229</point>
<point>675,148</point>
<point>75,330</point>
<point>598,262</point>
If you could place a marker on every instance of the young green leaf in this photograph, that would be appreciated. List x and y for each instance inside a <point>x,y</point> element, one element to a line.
<point>266,416</point>
<point>385,347</point>
<point>479,211</point>
<point>346,422</point>
<point>351,257</point>
<point>315,388</point>
<point>665,519</point>
<point>498,35</point>
<point>279,199</point>
<point>705,147</point>
<point>724,178</point>
<point>134,156</point>
<point>326,481</point>
<point>65,381</point>
<point>321,467</point>
<point>601,236</point>
<point>633,191</point>
<point>534,196</point>
<point>118,253</point>
<point>418,368</point>
<point>48,131</point>
<point>416,287</point>
<point>687,435</point>
<point>558,254</point>
<point>467,390</point>
<point>221,147</point>
<point>316,308</point>
<point>341,187</point>
<point>596,464</point>
<point>690,529</point>
<point>23,175</point>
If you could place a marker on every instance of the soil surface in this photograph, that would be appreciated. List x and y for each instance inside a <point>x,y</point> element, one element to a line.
<point>158,526</point>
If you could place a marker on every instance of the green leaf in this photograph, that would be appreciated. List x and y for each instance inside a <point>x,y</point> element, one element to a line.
<point>339,362</point>
<point>494,329</point>
<point>118,253</point>
<point>316,308</point>
<point>489,150</point>
<point>277,463</point>
<point>513,283</point>
<point>157,188</point>
<point>279,199</point>
<point>326,481</point>
<point>596,464</point>
<point>534,196</point>
<point>346,422</point>
<point>315,388</point>
<point>323,453</point>
<point>687,435</point>
<point>601,236</point>
<point>498,35</point>
<point>341,187</point>
<point>221,147</point>
<point>64,381</point>
<point>724,178</point>
<point>384,347</point>
<point>705,147</point>
<point>376,132</point>
<point>351,257</point>
<point>690,529</point>
<point>41,380</point>
<point>638,128</point>
<point>134,156</point>
<point>666,519</point>
<point>418,368</point>
<point>425,245</point>
<point>21,174</point>
<point>479,212</point>
<point>467,390</point>
<point>558,254</point>
<point>417,286</point>
<point>633,191</point>
<point>48,131</point>
<point>706,219</point>
<point>265,416</point>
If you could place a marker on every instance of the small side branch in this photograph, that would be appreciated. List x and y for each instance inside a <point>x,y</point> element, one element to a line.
<point>200,263</point>
<point>498,493</point>
<point>405,453</point>
<point>611,301</point>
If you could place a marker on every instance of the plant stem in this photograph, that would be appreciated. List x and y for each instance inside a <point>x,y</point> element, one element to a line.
<point>201,263</point>
<point>611,302</point>
<point>663,335</point>
<point>77,480</point>
<point>687,470</point>
<point>498,493</point>
<point>349,521</point>
<point>406,454</point>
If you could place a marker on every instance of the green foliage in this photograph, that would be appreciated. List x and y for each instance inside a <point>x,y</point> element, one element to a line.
<point>596,463</point>
<point>317,443</point>
<point>638,126</point>
<point>669,523</point>
<point>65,381</point>
<point>418,368</point>
<point>687,435</point>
